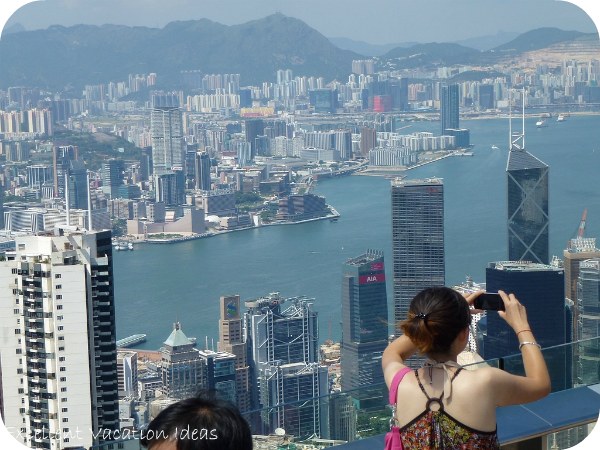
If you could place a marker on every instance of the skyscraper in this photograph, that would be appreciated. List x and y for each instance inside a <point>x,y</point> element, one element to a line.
<point>202,172</point>
<point>449,107</point>
<point>252,129</point>
<point>169,188</point>
<point>77,185</point>
<point>180,365</point>
<point>417,240</point>
<point>364,327</point>
<point>112,176</point>
<point>588,304</point>
<point>168,146</point>
<point>61,155</point>
<point>232,340</point>
<point>283,340</point>
<point>528,221</point>
<point>540,288</point>
<point>59,364</point>
<point>578,250</point>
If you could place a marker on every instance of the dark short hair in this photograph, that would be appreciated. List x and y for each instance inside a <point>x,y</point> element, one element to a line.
<point>218,424</point>
<point>435,317</point>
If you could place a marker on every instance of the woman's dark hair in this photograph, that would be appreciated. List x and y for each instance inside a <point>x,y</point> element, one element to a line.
<point>200,423</point>
<point>435,317</point>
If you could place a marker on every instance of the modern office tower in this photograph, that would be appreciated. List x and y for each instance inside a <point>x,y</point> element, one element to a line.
<point>343,143</point>
<point>180,365</point>
<point>449,103</point>
<point>399,94</point>
<point>283,344</point>
<point>2,224</point>
<point>170,188</point>
<point>61,156</point>
<point>342,417</point>
<point>217,372</point>
<point>486,96</point>
<point>417,240</point>
<point>323,100</point>
<point>59,363</point>
<point>202,172</point>
<point>127,373</point>
<point>168,145</point>
<point>540,288</point>
<point>578,250</point>
<point>112,176</point>
<point>77,185</point>
<point>146,164</point>
<point>528,221</point>
<point>588,324</point>
<point>368,140</point>
<point>232,340</point>
<point>38,175</point>
<point>296,394</point>
<point>364,328</point>
<point>252,129</point>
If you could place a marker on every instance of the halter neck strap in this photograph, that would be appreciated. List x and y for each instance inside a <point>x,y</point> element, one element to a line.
<point>448,374</point>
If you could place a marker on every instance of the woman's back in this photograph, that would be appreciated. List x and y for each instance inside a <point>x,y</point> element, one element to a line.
<point>465,420</point>
<point>471,401</point>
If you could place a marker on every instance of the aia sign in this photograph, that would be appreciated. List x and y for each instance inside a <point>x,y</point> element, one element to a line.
<point>374,278</point>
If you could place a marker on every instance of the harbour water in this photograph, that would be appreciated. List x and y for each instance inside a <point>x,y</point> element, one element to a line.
<point>157,285</point>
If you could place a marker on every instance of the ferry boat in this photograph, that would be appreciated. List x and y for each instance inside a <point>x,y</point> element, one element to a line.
<point>131,340</point>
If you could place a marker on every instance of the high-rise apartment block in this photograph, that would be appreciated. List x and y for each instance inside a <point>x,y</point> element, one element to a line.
<point>417,240</point>
<point>232,340</point>
<point>364,328</point>
<point>168,145</point>
<point>449,107</point>
<point>528,220</point>
<point>59,361</point>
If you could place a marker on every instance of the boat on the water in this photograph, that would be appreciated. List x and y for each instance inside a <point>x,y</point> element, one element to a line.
<point>494,147</point>
<point>541,123</point>
<point>561,118</point>
<point>131,340</point>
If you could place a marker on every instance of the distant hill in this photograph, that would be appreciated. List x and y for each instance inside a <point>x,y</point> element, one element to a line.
<point>74,56</point>
<point>364,48</point>
<point>488,42</point>
<point>538,39</point>
<point>86,54</point>
<point>432,54</point>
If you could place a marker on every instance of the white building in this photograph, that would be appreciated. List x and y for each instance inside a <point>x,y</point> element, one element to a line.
<point>57,350</point>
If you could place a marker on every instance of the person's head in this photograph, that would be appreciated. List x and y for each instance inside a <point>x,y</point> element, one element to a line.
<point>200,423</point>
<point>436,317</point>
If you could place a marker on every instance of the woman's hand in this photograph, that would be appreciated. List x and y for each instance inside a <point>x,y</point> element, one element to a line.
<point>471,299</point>
<point>514,313</point>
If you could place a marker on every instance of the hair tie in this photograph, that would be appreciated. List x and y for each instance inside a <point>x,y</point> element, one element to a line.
<point>422,316</point>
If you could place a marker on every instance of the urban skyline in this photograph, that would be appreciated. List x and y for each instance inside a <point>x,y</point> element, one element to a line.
<point>250,158</point>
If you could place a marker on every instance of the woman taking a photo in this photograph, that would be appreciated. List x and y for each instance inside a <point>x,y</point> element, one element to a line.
<point>440,405</point>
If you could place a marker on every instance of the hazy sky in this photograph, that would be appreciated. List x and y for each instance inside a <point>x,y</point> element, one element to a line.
<point>373,21</point>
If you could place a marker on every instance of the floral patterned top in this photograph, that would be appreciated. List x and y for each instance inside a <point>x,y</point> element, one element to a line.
<point>439,430</point>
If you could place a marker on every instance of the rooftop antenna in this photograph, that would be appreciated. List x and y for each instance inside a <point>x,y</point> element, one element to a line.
<point>67,199</point>
<point>517,140</point>
<point>89,199</point>
<point>523,123</point>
